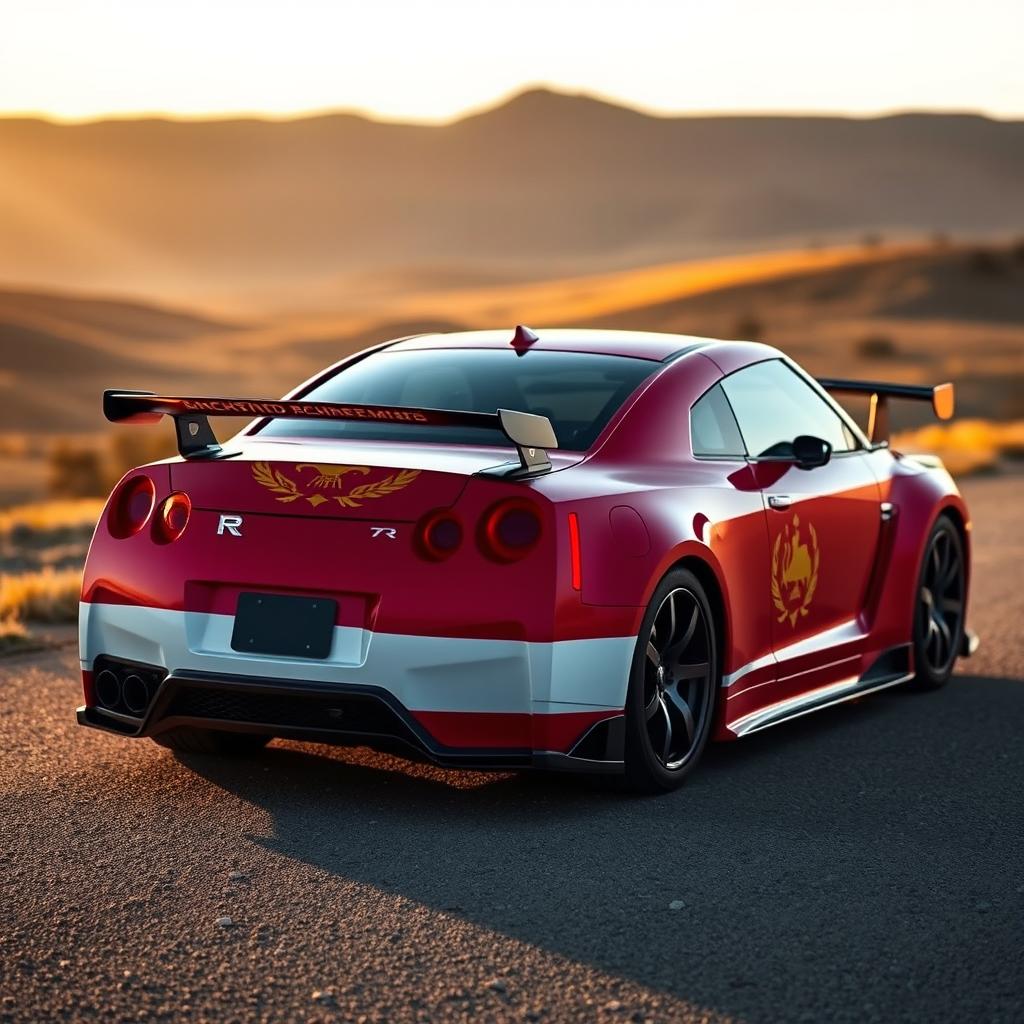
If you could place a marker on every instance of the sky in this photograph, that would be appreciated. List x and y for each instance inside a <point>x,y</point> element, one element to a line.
<point>433,60</point>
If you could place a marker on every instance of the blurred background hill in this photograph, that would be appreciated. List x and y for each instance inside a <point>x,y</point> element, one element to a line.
<point>310,211</point>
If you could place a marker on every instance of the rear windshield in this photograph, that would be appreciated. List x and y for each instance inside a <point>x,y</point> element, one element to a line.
<point>578,393</point>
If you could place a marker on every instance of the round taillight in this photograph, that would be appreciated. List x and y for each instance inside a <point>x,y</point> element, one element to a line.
<point>131,506</point>
<point>511,529</point>
<point>440,535</point>
<point>174,515</point>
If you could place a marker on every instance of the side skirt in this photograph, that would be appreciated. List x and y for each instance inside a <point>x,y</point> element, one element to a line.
<point>890,669</point>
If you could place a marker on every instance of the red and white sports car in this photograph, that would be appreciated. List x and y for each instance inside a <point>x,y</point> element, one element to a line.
<point>583,550</point>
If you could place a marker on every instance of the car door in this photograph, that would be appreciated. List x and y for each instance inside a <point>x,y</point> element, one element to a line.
<point>823,523</point>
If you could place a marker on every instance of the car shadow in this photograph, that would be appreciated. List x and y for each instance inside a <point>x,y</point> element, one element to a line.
<point>828,867</point>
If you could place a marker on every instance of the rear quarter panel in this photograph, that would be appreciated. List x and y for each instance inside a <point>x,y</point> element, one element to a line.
<point>920,494</point>
<point>645,504</point>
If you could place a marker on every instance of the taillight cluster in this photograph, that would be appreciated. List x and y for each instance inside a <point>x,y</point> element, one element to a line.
<point>508,531</point>
<point>439,535</point>
<point>173,517</point>
<point>132,507</point>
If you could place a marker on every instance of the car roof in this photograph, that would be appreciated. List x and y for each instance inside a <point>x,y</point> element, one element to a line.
<point>638,344</point>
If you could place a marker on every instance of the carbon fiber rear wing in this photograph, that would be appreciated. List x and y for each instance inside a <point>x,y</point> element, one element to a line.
<point>941,397</point>
<point>531,435</point>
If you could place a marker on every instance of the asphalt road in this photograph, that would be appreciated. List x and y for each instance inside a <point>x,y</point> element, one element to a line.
<point>865,863</point>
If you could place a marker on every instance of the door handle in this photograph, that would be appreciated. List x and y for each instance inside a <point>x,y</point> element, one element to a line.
<point>779,501</point>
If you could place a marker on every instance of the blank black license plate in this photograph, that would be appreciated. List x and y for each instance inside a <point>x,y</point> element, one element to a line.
<point>294,627</point>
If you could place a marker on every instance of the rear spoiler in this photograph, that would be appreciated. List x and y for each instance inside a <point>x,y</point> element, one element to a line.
<point>941,396</point>
<point>530,434</point>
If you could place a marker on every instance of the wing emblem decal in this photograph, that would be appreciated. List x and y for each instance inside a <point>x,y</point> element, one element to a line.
<point>328,478</point>
<point>795,563</point>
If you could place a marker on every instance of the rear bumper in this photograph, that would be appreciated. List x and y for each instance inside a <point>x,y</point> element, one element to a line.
<point>461,702</point>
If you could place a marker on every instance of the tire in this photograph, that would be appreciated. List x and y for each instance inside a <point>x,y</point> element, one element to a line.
<point>186,740</point>
<point>673,681</point>
<point>939,602</point>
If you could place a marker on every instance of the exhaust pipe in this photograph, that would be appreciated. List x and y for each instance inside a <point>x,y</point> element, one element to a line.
<point>135,694</point>
<point>108,689</point>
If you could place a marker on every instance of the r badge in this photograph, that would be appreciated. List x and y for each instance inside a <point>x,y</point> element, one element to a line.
<point>230,524</point>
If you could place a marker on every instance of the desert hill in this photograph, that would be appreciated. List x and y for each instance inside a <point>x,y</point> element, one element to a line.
<point>913,313</point>
<point>309,212</point>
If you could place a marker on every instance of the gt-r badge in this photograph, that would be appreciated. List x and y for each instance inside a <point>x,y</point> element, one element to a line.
<point>328,478</point>
<point>794,571</point>
<point>229,524</point>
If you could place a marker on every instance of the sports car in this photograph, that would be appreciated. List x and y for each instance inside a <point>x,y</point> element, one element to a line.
<point>576,550</point>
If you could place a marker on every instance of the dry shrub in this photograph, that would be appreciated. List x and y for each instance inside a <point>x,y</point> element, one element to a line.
<point>749,328</point>
<point>75,471</point>
<point>986,263</point>
<point>15,638</point>
<point>966,446</point>
<point>44,596</point>
<point>83,470</point>
<point>46,517</point>
<point>876,346</point>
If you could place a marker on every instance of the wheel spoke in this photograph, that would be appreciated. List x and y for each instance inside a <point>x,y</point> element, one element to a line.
<point>683,708</point>
<point>952,575</point>
<point>945,639</point>
<point>948,559</point>
<point>652,654</point>
<point>667,748</point>
<point>673,653</point>
<point>651,709</point>
<point>698,670</point>
<point>949,604</point>
<point>671,620</point>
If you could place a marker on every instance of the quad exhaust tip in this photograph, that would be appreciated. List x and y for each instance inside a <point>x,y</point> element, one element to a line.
<point>125,689</point>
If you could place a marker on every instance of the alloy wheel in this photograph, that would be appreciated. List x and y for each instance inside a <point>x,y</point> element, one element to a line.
<point>941,602</point>
<point>677,678</point>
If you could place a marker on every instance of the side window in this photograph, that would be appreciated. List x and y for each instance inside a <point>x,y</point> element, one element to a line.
<point>773,406</point>
<point>713,429</point>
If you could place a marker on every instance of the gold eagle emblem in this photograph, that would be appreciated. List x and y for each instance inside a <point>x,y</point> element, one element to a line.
<point>795,563</point>
<point>329,478</point>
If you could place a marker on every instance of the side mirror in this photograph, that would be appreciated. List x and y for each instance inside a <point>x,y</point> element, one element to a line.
<point>809,452</point>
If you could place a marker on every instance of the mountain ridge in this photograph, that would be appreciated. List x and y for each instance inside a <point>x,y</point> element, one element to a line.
<point>529,94</point>
<point>276,213</point>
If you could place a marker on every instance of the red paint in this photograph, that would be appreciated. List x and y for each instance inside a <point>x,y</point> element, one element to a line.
<point>88,687</point>
<point>497,731</point>
<point>485,730</point>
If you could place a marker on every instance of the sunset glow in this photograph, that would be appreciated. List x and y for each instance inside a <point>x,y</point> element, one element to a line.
<point>404,59</point>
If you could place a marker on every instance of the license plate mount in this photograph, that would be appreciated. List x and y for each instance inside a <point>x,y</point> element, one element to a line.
<point>284,625</point>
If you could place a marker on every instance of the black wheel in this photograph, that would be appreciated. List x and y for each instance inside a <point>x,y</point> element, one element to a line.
<point>672,686</point>
<point>186,740</point>
<point>939,607</point>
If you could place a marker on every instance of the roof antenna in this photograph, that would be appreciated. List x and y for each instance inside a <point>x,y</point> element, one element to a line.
<point>523,339</point>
